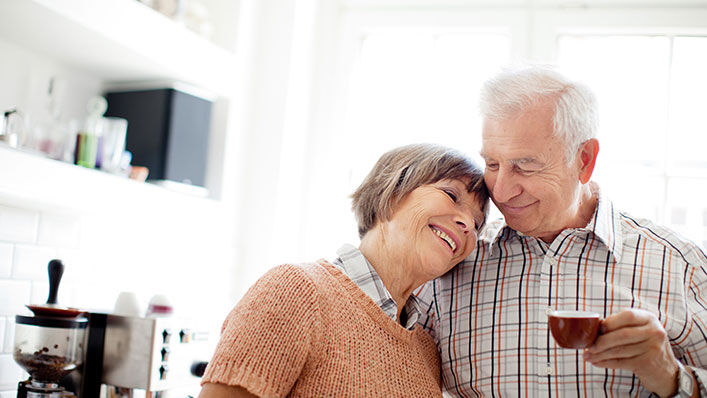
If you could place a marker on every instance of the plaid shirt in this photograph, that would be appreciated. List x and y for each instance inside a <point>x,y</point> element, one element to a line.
<point>489,314</point>
<point>354,265</point>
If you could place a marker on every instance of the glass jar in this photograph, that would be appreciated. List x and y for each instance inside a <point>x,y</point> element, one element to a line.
<point>47,347</point>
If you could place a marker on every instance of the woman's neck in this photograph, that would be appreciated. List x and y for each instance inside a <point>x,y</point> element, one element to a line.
<point>397,276</point>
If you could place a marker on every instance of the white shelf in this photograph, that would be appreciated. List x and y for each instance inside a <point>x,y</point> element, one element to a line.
<point>31,180</point>
<point>117,41</point>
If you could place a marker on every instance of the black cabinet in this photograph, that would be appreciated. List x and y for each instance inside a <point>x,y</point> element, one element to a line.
<point>168,132</point>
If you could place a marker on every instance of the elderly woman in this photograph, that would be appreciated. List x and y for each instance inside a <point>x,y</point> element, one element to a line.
<point>348,328</point>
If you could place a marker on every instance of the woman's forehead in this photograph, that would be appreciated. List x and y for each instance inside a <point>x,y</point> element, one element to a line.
<point>465,182</point>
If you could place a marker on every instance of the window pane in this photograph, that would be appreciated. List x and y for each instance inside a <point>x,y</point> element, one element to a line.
<point>418,86</point>
<point>629,75</point>
<point>688,119</point>
<point>687,208</point>
<point>408,86</point>
<point>639,195</point>
<point>653,127</point>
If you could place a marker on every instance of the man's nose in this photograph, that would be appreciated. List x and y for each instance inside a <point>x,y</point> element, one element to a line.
<point>505,186</point>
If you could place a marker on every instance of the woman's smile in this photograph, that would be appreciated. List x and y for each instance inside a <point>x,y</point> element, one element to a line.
<point>446,236</point>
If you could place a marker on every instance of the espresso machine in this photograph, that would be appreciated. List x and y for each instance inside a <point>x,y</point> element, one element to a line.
<point>71,353</point>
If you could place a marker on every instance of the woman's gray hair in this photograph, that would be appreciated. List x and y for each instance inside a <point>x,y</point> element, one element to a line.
<point>513,91</point>
<point>402,170</point>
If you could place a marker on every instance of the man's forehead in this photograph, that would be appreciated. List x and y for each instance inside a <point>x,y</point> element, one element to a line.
<point>517,148</point>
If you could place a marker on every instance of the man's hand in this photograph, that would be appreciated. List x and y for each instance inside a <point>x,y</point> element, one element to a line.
<point>635,340</point>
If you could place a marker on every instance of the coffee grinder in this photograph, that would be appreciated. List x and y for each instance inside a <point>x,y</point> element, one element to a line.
<point>49,345</point>
<point>48,348</point>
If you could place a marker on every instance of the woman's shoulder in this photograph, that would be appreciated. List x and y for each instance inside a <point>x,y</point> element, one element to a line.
<point>301,271</point>
<point>287,286</point>
<point>301,278</point>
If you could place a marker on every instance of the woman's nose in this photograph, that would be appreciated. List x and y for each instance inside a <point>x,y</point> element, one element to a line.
<point>464,226</point>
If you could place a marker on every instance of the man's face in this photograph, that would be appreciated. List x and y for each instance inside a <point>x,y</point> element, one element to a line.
<point>527,175</point>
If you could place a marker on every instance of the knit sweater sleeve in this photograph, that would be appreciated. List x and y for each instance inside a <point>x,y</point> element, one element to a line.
<point>270,335</point>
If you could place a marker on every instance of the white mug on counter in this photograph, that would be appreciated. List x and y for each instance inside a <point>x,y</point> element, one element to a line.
<point>127,304</point>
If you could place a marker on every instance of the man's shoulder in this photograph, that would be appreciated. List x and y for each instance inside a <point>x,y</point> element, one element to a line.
<point>493,234</point>
<point>656,235</point>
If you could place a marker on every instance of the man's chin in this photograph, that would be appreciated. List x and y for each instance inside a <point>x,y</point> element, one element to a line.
<point>518,226</point>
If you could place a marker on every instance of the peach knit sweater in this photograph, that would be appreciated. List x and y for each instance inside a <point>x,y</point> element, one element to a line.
<point>309,331</point>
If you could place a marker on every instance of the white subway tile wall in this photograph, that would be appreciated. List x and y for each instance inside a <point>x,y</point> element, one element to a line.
<point>9,335</point>
<point>20,272</point>
<point>40,292</point>
<point>18,225</point>
<point>14,294</point>
<point>5,260</point>
<point>3,325</point>
<point>27,259</point>
<point>10,373</point>
<point>58,231</point>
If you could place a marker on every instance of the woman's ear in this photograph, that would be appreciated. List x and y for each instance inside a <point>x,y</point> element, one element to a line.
<point>587,158</point>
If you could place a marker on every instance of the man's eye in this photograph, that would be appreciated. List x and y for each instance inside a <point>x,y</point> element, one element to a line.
<point>492,166</point>
<point>522,170</point>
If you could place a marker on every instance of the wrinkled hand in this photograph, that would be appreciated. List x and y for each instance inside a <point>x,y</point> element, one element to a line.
<point>635,340</point>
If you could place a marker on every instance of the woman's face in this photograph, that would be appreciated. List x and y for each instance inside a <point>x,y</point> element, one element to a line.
<point>434,227</point>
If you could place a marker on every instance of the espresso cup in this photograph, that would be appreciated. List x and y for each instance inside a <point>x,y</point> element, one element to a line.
<point>574,329</point>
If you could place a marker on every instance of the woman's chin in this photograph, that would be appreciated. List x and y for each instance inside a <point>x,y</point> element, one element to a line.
<point>441,269</point>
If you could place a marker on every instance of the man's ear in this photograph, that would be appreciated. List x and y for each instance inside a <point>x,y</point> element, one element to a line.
<point>587,158</point>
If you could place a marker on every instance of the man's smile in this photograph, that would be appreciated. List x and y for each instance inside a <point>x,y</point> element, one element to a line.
<point>514,209</point>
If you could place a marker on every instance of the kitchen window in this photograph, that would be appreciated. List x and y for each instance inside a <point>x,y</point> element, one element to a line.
<point>416,86</point>
<point>413,74</point>
<point>653,130</point>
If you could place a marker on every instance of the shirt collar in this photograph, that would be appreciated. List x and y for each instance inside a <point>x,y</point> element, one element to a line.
<point>355,266</point>
<point>605,224</point>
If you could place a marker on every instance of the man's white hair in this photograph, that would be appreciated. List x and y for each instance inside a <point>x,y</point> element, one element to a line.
<point>514,91</point>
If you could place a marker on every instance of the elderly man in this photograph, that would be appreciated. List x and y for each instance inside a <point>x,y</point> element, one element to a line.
<point>564,246</point>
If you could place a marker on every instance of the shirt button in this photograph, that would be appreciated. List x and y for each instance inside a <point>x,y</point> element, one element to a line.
<point>551,261</point>
<point>548,311</point>
<point>548,370</point>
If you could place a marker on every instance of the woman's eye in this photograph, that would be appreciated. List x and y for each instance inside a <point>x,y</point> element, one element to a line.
<point>451,194</point>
